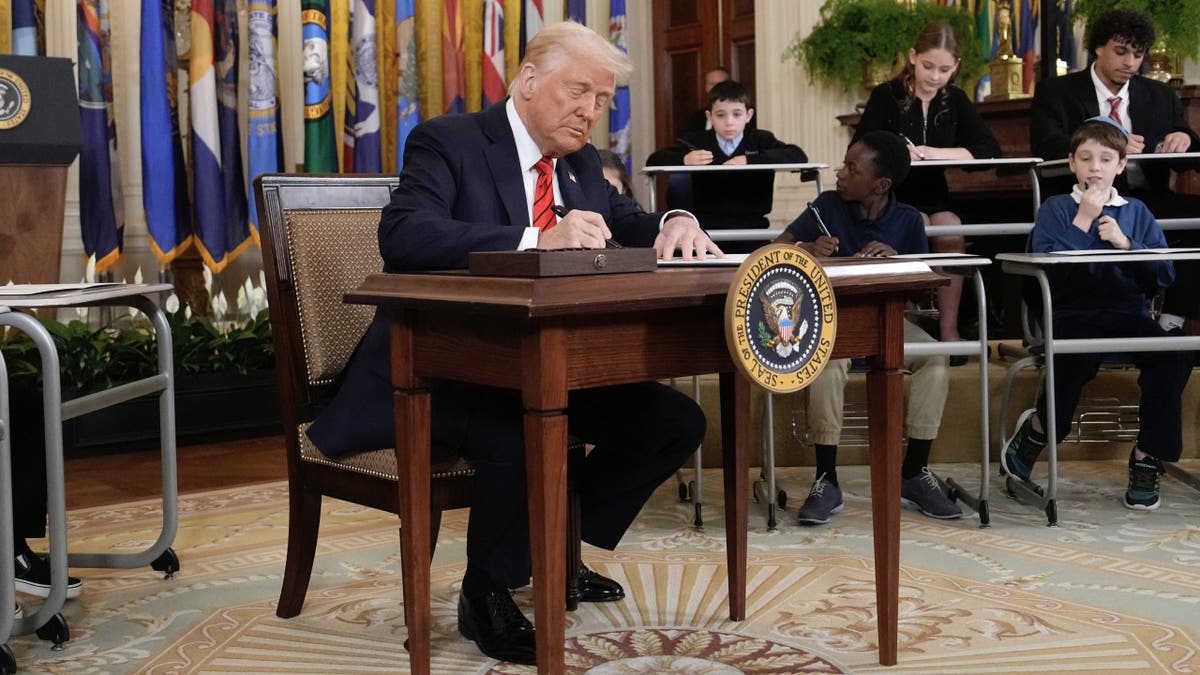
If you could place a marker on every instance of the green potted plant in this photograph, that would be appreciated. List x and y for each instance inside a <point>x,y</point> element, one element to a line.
<point>1176,21</point>
<point>862,41</point>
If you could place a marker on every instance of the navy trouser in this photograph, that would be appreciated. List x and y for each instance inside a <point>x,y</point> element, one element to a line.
<point>1162,379</point>
<point>642,434</point>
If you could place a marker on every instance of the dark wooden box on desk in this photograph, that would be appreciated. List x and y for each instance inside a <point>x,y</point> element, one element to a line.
<point>535,264</point>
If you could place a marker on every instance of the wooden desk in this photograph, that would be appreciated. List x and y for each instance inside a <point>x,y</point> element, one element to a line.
<point>547,336</point>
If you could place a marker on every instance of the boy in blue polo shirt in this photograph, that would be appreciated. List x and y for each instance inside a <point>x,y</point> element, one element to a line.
<point>1106,300</point>
<point>864,219</point>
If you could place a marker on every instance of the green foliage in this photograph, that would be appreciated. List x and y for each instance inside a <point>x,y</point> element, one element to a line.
<point>853,33</point>
<point>1177,21</point>
<point>91,359</point>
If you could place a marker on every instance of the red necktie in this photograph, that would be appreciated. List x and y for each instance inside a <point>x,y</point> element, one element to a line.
<point>543,195</point>
<point>1114,113</point>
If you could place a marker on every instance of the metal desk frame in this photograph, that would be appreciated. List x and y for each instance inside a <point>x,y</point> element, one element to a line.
<point>159,554</point>
<point>1033,265</point>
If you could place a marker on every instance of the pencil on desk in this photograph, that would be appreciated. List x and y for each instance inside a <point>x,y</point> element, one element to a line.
<point>912,145</point>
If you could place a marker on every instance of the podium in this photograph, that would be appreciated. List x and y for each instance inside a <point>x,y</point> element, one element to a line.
<point>40,136</point>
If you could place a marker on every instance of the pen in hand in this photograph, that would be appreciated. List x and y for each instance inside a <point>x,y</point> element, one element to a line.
<point>561,211</point>
<point>684,142</point>
<point>911,145</point>
<point>820,222</point>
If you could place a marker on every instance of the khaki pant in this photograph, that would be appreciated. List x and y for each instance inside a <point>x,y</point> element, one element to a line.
<point>926,399</point>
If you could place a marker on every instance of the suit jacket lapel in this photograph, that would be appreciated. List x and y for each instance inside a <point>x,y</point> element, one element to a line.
<point>568,185</point>
<point>502,161</point>
<point>1142,109</point>
<point>1085,92</point>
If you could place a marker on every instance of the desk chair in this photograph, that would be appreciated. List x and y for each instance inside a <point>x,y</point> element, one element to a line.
<point>319,241</point>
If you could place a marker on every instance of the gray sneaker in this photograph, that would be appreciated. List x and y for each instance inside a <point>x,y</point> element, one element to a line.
<point>824,499</point>
<point>925,492</point>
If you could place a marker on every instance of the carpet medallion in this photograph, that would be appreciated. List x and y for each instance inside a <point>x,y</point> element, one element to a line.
<point>1109,591</point>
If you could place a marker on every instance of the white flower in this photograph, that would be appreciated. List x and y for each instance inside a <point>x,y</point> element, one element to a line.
<point>89,271</point>
<point>241,298</point>
<point>220,304</point>
<point>137,276</point>
<point>208,280</point>
<point>187,312</point>
<point>172,303</point>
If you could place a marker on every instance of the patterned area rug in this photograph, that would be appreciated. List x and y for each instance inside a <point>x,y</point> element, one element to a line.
<point>1110,590</point>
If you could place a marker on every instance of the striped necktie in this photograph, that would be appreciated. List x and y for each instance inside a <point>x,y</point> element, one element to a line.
<point>1114,112</point>
<point>543,195</point>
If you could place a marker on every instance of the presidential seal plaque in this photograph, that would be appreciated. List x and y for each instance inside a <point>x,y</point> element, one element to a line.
<point>15,101</point>
<point>780,318</point>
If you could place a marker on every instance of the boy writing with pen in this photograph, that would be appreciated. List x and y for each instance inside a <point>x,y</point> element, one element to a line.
<point>862,218</point>
<point>730,199</point>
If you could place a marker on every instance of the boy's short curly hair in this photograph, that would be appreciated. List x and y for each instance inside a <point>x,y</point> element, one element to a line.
<point>891,154</point>
<point>1123,25</point>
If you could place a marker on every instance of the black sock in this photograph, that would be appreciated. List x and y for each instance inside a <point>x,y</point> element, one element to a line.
<point>827,462</point>
<point>916,457</point>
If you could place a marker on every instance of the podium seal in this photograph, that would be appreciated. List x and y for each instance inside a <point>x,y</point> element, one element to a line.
<point>14,99</point>
<point>780,318</point>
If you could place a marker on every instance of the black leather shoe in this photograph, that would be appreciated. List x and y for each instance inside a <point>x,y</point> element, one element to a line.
<point>496,625</point>
<point>596,588</point>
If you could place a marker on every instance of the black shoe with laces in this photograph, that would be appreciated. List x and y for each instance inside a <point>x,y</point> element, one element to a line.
<point>496,625</point>
<point>33,577</point>
<point>1142,493</point>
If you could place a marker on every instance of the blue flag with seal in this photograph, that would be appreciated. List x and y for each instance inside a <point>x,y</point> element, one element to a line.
<point>101,218</point>
<point>164,179</point>
<point>408,109</point>
<point>264,152</point>
<point>367,158</point>
<point>619,114</point>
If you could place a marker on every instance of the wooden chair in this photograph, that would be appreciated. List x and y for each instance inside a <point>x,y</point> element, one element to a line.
<point>319,240</point>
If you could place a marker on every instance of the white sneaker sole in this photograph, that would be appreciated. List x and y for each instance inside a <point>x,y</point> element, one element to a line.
<point>915,505</point>
<point>815,521</point>
<point>40,591</point>
<point>1141,507</point>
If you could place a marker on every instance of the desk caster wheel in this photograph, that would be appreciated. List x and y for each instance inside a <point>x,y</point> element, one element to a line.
<point>699,521</point>
<point>781,499</point>
<point>56,631</point>
<point>985,515</point>
<point>8,662</point>
<point>167,563</point>
<point>756,489</point>
<point>771,522</point>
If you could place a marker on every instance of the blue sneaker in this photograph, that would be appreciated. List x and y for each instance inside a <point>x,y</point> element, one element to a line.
<point>1022,450</point>
<point>824,499</point>
<point>1142,493</point>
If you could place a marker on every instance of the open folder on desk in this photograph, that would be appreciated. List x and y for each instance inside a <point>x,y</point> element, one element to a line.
<point>12,290</point>
<point>1117,251</point>
<point>840,267</point>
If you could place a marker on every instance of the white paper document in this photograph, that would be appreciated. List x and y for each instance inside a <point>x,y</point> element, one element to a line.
<point>14,290</point>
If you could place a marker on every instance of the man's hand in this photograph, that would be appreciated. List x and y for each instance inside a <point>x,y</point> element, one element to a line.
<point>577,229</point>
<point>1136,145</point>
<point>823,246</point>
<point>875,249</point>
<point>740,159</point>
<point>1176,141</point>
<point>698,158</point>
<point>1089,206</point>
<point>682,232</point>
<point>1111,232</point>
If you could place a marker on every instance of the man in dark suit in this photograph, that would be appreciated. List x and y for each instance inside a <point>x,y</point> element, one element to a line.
<point>489,182</point>
<point>1150,111</point>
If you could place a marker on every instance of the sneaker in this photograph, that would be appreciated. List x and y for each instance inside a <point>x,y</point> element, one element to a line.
<point>824,500</point>
<point>1142,493</point>
<point>33,577</point>
<point>925,492</point>
<point>1022,450</point>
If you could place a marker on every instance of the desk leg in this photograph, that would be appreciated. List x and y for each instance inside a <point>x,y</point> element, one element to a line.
<point>411,405</point>
<point>885,409</point>
<point>735,439</point>
<point>546,481</point>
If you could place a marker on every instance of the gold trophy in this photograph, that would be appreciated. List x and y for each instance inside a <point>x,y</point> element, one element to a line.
<point>1005,68</point>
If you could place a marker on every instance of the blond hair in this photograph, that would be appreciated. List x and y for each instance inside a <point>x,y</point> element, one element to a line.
<point>564,40</point>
